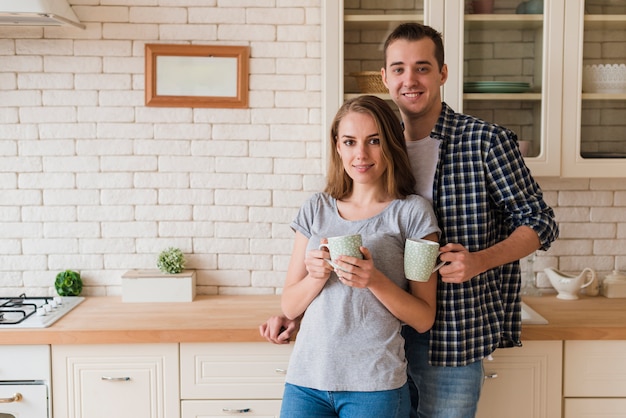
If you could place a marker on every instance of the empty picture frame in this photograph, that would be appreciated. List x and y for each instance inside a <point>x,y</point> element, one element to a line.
<point>197,75</point>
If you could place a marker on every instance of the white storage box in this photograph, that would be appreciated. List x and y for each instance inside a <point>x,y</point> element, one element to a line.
<point>156,286</point>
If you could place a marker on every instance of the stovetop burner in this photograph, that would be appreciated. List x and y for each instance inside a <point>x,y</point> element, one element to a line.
<point>35,311</point>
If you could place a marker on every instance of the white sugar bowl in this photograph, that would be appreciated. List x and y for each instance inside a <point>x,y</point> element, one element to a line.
<point>614,285</point>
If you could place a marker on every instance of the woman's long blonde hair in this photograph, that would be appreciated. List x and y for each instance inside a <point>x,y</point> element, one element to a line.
<point>398,177</point>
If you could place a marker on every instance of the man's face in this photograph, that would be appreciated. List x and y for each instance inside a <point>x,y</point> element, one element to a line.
<point>413,78</point>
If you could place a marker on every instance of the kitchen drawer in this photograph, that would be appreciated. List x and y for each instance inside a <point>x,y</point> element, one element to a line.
<point>595,408</point>
<point>595,369</point>
<point>25,362</point>
<point>233,370</point>
<point>222,408</point>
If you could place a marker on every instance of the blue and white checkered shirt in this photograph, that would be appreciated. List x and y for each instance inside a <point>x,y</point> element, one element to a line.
<point>482,192</point>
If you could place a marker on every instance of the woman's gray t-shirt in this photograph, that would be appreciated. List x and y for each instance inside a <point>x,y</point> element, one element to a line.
<point>348,341</point>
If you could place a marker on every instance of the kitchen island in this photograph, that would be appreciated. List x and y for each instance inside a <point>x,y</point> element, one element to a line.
<point>108,320</point>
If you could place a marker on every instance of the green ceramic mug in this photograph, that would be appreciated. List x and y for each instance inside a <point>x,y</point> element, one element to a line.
<point>420,257</point>
<point>344,245</point>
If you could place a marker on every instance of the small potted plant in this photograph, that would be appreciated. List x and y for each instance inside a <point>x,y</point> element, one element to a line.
<point>68,283</point>
<point>171,260</point>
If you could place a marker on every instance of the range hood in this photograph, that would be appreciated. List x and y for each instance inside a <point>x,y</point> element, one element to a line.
<point>37,13</point>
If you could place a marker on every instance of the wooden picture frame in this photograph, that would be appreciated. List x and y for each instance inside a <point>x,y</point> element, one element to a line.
<point>197,75</point>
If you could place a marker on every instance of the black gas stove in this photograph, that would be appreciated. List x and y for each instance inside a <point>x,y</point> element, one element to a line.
<point>35,311</point>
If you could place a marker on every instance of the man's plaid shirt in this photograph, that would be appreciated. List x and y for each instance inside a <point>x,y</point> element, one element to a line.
<point>482,192</point>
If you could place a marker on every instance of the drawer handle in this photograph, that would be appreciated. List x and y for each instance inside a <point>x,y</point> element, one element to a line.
<point>281,371</point>
<point>115,379</point>
<point>236,411</point>
<point>15,398</point>
<point>493,375</point>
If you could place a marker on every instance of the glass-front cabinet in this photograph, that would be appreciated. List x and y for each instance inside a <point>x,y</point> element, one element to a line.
<point>506,59</point>
<point>525,64</point>
<point>594,96</point>
<point>355,31</point>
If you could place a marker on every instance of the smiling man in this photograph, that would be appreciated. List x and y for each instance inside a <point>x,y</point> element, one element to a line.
<point>491,213</point>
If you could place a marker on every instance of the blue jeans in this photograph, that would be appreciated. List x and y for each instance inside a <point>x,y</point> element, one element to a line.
<point>301,402</point>
<point>440,392</point>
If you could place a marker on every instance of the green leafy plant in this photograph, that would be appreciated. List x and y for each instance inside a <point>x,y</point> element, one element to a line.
<point>68,283</point>
<point>171,260</point>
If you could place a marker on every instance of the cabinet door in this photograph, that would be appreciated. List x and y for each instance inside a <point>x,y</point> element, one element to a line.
<point>594,126</point>
<point>523,382</point>
<point>491,56</point>
<point>222,408</point>
<point>121,381</point>
<point>354,34</point>
<point>595,369</point>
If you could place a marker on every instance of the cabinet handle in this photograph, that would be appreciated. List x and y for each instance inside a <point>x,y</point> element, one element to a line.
<point>281,371</point>
<point>236,411</point>
<point>115,379</point>
<point>492,375</point>
<point>15,398</point>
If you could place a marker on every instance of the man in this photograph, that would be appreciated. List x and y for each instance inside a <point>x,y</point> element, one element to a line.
<point>491,213</point>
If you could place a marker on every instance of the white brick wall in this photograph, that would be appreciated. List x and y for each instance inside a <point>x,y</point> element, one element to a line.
<point>92,180</point>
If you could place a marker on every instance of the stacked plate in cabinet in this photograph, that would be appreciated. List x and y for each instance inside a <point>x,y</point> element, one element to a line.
<point>495,87</point>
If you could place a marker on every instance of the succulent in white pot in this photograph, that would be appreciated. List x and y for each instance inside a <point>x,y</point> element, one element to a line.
<point>171,260</point>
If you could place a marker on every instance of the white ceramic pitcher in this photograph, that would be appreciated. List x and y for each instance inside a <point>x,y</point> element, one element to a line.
<point>567,285</point>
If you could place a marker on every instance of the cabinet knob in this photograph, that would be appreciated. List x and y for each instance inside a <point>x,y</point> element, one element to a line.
<point>281,371</point>
<point>491,375</point>
<point>115,379</point>
<point>236,411</point>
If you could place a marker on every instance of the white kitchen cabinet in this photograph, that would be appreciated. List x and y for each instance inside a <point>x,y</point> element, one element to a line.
<point>221,379</point>
<point>594,126</point>
<point>115,380</point>
<point>594,379</point>
<point>506,46</point>
<point>546,50</point>
<point>523,382</point>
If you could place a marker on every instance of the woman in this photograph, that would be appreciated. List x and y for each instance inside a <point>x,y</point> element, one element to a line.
<point>348,359</point>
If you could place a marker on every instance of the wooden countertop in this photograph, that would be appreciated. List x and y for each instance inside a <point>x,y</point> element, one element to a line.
<point>100,320</point>
<point>588,318</point>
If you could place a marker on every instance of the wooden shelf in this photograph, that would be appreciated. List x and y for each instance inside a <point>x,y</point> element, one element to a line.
<point>503,21</point>
<point>379,21</point>
<point>601,22</point>
<point>604,96</point>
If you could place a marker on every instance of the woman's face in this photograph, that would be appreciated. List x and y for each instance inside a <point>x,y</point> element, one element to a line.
<point>358,145</point>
